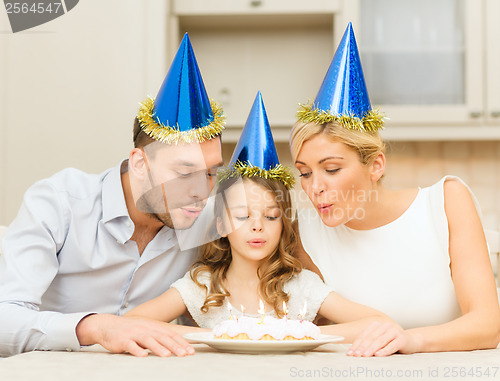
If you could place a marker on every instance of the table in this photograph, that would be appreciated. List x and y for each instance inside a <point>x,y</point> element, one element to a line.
<point>327,362</point>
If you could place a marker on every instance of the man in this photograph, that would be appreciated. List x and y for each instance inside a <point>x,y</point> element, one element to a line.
<point>84,248</point>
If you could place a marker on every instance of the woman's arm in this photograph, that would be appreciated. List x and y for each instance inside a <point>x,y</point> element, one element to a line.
<point>479,325</point>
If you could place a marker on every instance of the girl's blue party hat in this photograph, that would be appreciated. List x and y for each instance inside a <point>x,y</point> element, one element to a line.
<point>255,154</point>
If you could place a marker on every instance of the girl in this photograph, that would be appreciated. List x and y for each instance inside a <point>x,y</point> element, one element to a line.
<point>253,258</point>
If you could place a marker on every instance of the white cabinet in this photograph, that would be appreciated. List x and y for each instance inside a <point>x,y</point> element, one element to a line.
<point>492,53</point>
<point>282,48</point>
<point>431,65</point>
<point>228,7</point>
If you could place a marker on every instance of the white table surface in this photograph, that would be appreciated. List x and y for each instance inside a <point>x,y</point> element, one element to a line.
<point>327,362</point>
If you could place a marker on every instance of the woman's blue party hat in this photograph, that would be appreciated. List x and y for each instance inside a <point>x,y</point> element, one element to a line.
<point>343,96</point>
<point>255,154</point>
<point>182,111</point>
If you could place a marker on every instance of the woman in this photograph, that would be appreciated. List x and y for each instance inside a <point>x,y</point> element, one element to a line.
<point>418,255</point>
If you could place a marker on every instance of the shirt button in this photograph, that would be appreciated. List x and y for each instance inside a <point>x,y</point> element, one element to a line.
<point>125,305</point>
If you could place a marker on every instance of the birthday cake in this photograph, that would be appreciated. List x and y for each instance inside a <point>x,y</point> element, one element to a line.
<point>267,328</point>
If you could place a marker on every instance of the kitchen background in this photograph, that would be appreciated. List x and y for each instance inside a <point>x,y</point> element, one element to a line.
<point>69,89</point>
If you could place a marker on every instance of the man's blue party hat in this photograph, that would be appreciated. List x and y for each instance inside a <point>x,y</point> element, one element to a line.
<point>255,154</point>
<point>182,111</point>
<point>343,96</point>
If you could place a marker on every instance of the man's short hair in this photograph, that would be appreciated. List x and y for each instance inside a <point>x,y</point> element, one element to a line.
<point>141,139</point>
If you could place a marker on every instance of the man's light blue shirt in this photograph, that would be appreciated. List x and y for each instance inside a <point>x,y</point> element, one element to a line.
<point>68,253</point>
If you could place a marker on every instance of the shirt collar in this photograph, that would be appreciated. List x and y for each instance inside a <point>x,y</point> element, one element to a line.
<point>113,199</point>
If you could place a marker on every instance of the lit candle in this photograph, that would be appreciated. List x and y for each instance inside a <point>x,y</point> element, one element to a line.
<point>285,310</point>
<point>261,311</point>
<point>230,311</point>
<point>242,310</point>
<point>303,312</point>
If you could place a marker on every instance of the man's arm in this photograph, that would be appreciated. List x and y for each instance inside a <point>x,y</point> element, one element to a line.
<point>121,334</point>
<point>23,328</point>
<point>29,264</point>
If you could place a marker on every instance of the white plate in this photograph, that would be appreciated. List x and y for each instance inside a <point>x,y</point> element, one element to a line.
<point>260,346</point>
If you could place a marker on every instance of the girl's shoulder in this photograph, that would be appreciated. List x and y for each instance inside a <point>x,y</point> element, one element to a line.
<point>191,278</point>
<point>193,289</point>
<point>201,276</point>
<point>304,278</point>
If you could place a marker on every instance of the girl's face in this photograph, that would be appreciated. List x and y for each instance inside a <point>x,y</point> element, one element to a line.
<point>335,180</point>
<point>253,220</point>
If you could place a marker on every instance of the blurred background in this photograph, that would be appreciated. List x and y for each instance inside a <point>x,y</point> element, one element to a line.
<point>70,88</point>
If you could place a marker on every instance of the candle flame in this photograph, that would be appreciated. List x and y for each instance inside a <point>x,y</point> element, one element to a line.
<point>285,309</point>
<point>303,311</point>
<point>242,309</point>
<point>261,309</point>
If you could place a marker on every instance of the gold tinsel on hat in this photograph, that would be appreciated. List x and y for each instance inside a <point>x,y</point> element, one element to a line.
<point>172,135</point>
<point>372,121</point>
<point>278,173</point>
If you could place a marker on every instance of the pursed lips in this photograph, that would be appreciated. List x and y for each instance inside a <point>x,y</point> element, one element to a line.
<point>324,208</point>
<point>191,212</point>
<point>256,242</point>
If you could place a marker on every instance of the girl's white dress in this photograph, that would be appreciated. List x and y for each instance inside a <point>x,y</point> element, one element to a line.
<point>401,269</point>
<point>305,287</point>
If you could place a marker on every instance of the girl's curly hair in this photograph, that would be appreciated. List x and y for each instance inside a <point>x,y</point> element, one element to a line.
<point>273,273</point>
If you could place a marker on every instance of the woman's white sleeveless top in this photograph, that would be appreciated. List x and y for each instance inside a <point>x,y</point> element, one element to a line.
<point>401,269</point>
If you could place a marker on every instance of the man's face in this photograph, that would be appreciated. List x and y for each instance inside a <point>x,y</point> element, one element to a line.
<point>180,179</point>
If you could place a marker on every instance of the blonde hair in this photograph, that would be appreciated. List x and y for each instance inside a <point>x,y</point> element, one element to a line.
<point>273,273</point>
<point>367,144</point>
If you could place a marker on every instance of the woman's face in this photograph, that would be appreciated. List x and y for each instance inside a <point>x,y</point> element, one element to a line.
<point>335,180</point>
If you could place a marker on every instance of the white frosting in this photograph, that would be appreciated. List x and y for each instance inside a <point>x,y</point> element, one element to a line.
<point>255,328</point>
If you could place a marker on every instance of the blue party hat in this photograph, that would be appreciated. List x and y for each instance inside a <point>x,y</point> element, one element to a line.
<point>342,96</point>
<point>255,154</point>
<point>182,111</point>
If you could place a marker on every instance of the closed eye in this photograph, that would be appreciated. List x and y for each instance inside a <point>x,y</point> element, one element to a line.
<point>271,218</point>
<point>333,170</point>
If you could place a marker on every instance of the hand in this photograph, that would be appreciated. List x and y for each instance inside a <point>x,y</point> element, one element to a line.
<point>120,334</point>
<point>384,339</point>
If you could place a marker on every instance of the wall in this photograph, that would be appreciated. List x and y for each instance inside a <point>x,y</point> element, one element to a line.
<point>70,89</point>
<point>424,163</point>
